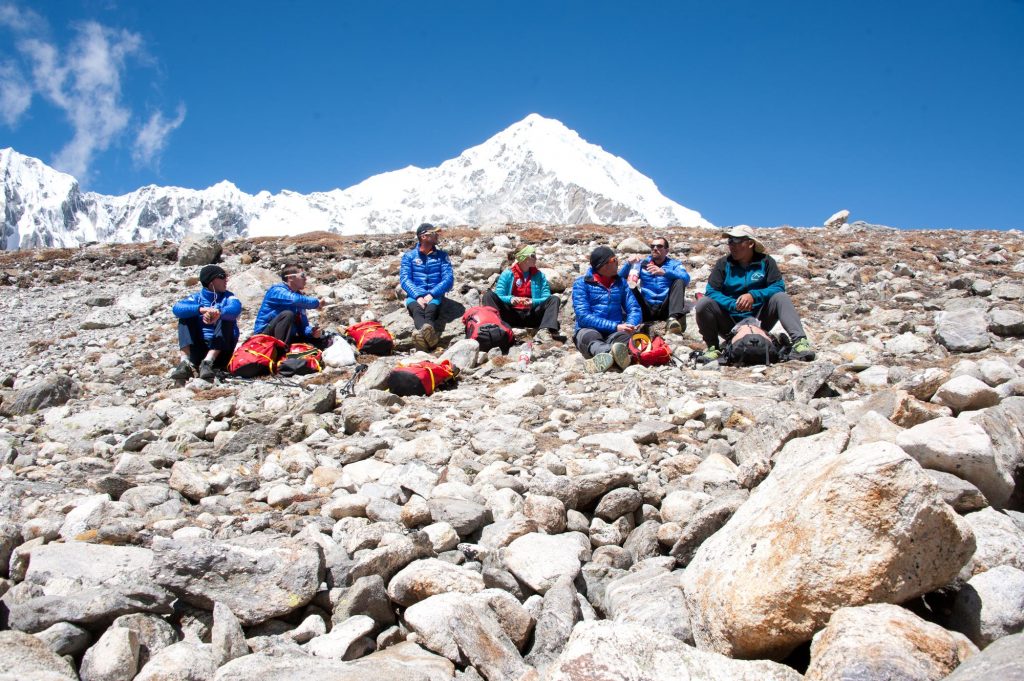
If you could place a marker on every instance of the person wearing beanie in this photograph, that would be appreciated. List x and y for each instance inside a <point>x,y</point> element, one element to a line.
<point>207,326</point>
<point>607,313</point>
<point>747,284</point>
<point>522,297</point>
<point>661,286</point>
<point>426,275</point>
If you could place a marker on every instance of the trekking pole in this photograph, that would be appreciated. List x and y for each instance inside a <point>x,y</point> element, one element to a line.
<point>349,389</point>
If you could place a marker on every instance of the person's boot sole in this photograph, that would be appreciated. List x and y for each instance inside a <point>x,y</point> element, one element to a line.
<point>598,364</point>
<point>430,336</point>
<point>620,354</point>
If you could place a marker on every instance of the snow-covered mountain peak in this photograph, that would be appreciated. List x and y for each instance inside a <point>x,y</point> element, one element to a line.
<point>536,170</point>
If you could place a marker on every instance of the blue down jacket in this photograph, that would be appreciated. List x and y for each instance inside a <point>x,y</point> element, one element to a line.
<point>422,274</point>
<point>230,307</point>
<point>729,280</point>
<point>603,309</point>
<point>655,288</point>
<point>280,298</point>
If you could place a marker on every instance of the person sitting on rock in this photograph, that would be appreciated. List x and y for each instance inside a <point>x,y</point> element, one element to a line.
<point>425,276</point>
<point>747,283</point>
<point>607,314</point>
<point>523,297</point>
<point>282,313</point>
<point>661,289</point>
<point>207,326</point>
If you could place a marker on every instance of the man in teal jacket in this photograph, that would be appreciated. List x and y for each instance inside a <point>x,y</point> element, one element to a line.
<point>747,283</point>
<point>523,297</point>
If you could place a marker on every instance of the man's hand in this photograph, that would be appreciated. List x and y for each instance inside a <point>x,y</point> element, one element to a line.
<point>654,269</point>
<point>317,332</point>
<point>635,258</point>
<point>745,302</point>
<point>625,328</point>
<point>210,314</point>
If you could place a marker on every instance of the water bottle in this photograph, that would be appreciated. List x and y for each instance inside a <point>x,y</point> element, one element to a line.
<point>525,355</point>
<point>634,275</point>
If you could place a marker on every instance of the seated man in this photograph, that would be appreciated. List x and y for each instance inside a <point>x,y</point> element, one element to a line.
<point>607,314</point>
<point>747,283</point>
<point>523,297</point>
<point>661,290</point>
<point>282,312</point>
<point>426,275</point>
<point>207,326</point>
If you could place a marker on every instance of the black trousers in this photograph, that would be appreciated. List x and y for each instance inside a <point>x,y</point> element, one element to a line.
<point>427,314</point>
<point>674,304</point>
<point>190,335</point>
<point>544,316</point>
<point>713,321</point>
<point>593,342</point>
<point>282,327</point>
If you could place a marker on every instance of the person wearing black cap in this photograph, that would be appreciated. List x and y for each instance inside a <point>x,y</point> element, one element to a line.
<point>207,326</point>
<point>607,313</point>
<point>426,275</point>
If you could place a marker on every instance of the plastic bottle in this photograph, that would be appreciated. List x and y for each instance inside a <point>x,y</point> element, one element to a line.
<point>634,275</point>
<point>525,355</point>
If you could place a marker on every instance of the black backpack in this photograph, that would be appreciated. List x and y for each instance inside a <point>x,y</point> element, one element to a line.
<point>485,325</point>
<point>751,349</point>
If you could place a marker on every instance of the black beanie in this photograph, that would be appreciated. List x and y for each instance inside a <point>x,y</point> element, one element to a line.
<point>599,256</point>
<point>209,273</point>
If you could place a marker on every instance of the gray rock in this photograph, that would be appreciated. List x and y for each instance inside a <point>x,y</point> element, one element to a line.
<point>367,596</point>
<point>774,428</point>
<point>154,634</point>
<point>226,637</point>
<point>52,391</point>
<point>1003,660</point>
<point>387,560</point>
<point>401,665</point>
<point>1004,322</point>
<point>559,614</point>
<point>257,576</point>
<point>617,650</point>
<point>990,606</point>
<point>642,542</point>
<point>342,636</point>
<point>709,519</point>
<point>962,330</point>
<point>88,606</point>
<point>26,657</point>
<point>651,597</point>
<point>199,249</point>
<point>999,541</point>
<point>465,516</point>
<point>320,401</point>
<point>114,657</point>
<point>65,639</point>
<point>957,492</point>
<point>618,503</point>
<point>185,661</point>
<point>539,560</point>
<point>964,393</point>
<point>428,577</point>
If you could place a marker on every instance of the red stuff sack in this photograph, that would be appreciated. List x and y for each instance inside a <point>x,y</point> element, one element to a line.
<point>302,359</point>
<point>647,352</point>
<point>421,378</point>
<point>485,326</point>
<point>257,356</point>
<point>371,337</point>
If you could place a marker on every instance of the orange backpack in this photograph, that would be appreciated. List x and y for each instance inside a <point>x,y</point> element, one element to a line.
<point>371,337</point>
<point>257,356</point>
<point>647,352</point>
<point>421,378</point>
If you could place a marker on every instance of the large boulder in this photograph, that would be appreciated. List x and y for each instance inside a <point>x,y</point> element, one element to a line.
<point>990,605</point>
<point>198,249</point>
<point>616,651</point>
<point>962,330</point>
<point>1003,660</point>
<point>884,641</point>
<point>820,533</point>
<point>26,657</point>
<point>52,391</point>
<point>257,576</point>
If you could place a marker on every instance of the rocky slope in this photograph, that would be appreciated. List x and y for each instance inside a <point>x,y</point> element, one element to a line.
<point>536,170</point>
<point>859,515</point>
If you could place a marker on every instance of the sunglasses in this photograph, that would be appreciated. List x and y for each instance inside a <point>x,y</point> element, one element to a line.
<point>733,240</point>
<point>657,246</point>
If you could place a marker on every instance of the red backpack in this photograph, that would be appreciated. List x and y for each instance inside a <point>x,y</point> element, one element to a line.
<point>485,325</point>
<point>257,356</point>
<point>302,359</point>
<point>421,378</point>
<point>647,352</point>
<point>371,337</point>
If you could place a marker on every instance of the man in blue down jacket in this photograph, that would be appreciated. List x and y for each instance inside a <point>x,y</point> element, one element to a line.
<point>607,313</point>
<point>207,326</point>
<point>661,290</point>
<point>426,275</point>
<point>282,313</point>
<point>747,284</point>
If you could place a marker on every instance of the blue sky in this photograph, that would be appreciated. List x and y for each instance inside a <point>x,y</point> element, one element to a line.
<point>768,113</point>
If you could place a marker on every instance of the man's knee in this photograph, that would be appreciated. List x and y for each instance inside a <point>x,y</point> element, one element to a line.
<point>706,307</point>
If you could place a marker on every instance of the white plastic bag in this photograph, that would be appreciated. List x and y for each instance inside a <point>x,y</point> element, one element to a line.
<point>339,354</point>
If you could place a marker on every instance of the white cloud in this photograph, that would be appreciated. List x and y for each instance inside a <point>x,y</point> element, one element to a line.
<point>15,94</point>
<point>83,79</point>
<point>152,138</point>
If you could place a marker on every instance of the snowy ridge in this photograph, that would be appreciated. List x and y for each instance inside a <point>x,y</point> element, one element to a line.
<point>537,170</point>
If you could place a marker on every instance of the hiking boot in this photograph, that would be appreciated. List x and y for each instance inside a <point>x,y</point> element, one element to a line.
<point>802,350</point>
<point>430,336</point>
<point>710,355</point>
<point>675,325</point>
<point>206,370</point>
<point>184,371</point>
<point>543,336</point>
<point>419,341</point>
<point>598,364</point>
<point>620,353</point>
